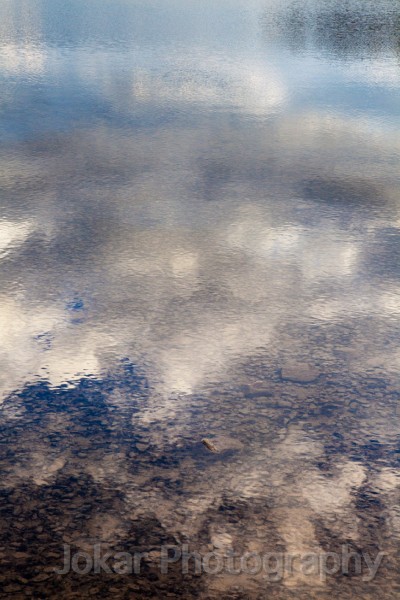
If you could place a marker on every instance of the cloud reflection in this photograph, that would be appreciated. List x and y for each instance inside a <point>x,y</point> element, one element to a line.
<point>192,285</point>
<point>194,217</point>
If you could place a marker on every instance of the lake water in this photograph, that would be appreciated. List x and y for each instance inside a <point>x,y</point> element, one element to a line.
<point>200,238</point>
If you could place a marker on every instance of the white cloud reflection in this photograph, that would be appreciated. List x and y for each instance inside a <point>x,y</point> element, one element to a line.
<point>188,284</point>
<point>22,60</point>
<point>13,235</point>
<point>253,86</point>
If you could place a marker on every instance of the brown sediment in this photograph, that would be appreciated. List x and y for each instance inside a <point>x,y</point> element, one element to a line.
<point>299,474</point>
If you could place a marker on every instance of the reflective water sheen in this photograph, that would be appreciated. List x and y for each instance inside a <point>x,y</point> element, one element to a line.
<point>199,237</point>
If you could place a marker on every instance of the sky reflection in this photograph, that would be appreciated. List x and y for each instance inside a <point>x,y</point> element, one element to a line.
<point>199,237</point>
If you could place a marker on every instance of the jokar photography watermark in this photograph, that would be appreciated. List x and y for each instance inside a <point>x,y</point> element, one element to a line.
<point>272,566</point>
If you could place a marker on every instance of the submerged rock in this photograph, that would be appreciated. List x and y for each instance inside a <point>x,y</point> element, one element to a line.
<point>209,445</point>
<point>299,373</point>
<point>142,447</point>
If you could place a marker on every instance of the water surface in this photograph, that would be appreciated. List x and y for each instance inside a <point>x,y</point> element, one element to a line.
<point>199,237</point>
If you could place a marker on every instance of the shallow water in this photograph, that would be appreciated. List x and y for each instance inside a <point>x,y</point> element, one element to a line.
<point>200,238</point>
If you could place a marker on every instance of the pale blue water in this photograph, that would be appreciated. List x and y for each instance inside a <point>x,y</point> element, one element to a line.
<point>199,237</point>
